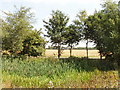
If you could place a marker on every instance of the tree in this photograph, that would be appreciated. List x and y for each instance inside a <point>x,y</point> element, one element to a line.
<point>56,27</point>
<point>34,44</point>
<point>1,35</point>
<point>80,22</point>
<point>95,31</point>
<point>110,26</point>
<point>103,28</point>
<point>16,26</point>
<point>72,36</point>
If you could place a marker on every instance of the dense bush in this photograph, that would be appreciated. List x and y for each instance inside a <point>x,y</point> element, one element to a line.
<point>19,36</point>
<point>34,44</point>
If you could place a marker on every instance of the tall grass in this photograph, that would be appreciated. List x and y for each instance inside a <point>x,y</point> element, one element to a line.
<point>51,72</point>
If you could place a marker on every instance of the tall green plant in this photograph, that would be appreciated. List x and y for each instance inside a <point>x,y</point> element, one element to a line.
<point>56,27</point>
<point>16,26</point>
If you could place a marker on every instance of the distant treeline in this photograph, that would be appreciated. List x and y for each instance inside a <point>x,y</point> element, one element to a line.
<point>90,48</point>
<point>77,48</point>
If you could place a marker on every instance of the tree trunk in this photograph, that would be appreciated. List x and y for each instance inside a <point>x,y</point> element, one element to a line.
<point>70,50</point>
<point>87,48</point>
<point>59,51</point>
<point>100,56</point>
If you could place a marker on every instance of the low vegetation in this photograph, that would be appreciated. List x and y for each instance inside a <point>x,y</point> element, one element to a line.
<point>50,72</point>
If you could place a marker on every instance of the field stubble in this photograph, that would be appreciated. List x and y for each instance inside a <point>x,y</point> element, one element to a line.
<point>77,53</point>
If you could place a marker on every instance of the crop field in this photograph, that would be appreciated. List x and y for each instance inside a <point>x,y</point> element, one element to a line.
<point>77,53</point>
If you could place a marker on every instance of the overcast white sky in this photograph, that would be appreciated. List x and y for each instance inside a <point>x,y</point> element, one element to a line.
<point>43,8</point>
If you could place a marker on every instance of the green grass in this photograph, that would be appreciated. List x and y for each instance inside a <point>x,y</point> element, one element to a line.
<point>52,72</point>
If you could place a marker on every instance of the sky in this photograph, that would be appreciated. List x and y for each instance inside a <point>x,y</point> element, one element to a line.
<point>43,8</point>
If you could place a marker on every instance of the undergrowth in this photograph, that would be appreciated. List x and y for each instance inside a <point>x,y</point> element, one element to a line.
<point>51,72</point>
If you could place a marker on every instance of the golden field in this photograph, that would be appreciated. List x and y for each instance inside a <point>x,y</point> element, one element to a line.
<point>78,53</point>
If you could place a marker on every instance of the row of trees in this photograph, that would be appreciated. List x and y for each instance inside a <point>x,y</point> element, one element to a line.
<point>102,28</point>
<point>19,36</point>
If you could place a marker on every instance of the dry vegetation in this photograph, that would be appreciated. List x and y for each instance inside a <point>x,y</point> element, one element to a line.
<point>78,53</point>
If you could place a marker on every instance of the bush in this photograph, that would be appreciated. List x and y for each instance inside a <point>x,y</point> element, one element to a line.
<point>34,44</point>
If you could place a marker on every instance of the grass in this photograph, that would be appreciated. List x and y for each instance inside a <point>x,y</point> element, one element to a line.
<point>50,72</point>
<point>77,53</point>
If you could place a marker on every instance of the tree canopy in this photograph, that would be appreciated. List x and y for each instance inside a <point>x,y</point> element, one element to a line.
<point>56,28</point>
<point>17,28</point>
<point>102,28</point>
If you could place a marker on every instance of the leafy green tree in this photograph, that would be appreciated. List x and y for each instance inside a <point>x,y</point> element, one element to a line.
<point>1,35</point>
<point>103,28</point>
<point>80,22</point>
<point>110,26</point>
<point>115,34</point>
<point>34,44</point>
<point>16,26</point>
<point>56,27</point>
<point>95,31</point>
<point>72,36</point>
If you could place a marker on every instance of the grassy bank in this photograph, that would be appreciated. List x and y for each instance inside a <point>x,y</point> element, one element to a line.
<point>51,72</point>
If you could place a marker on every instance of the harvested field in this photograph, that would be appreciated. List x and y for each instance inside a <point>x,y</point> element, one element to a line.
<point>78,53</point>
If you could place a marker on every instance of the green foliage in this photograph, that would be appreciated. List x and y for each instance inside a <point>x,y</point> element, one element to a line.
<point>16,26</point>
<point>51,72</point>
<point>72,36</point>
<point>19,36</point>
<point>103,28</point>
<point>34,44</point>
<point>56,27</point>
<point>81,24</point>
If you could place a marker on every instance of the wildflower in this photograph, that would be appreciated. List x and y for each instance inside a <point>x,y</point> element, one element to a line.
<point>50,84</point>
